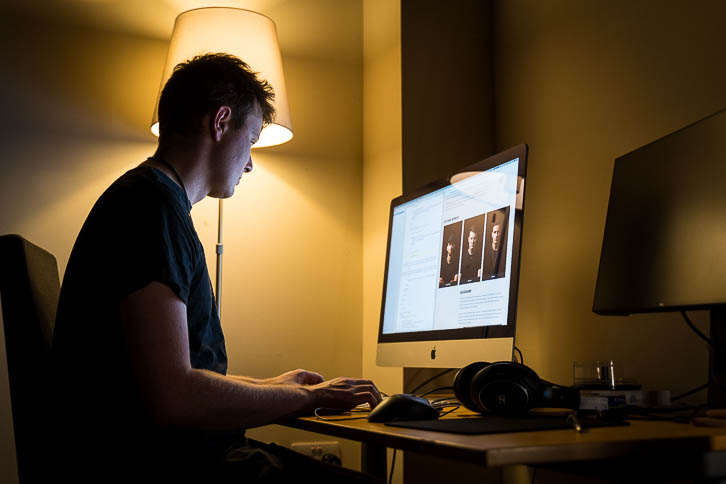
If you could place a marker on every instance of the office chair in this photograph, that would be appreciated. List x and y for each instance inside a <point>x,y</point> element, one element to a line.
<point>29,290</point>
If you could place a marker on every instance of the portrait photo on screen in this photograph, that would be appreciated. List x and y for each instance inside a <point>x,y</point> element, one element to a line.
<point>471,250</point>
<point>450,251</point>
<point>495,244</point>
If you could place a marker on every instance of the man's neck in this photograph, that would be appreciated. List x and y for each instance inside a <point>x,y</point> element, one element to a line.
<point>189,161</point>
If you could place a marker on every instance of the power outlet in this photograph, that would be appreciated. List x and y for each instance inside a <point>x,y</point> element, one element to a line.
<point>317,449</point>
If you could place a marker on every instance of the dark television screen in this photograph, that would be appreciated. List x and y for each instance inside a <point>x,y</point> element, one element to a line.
<point>664,246</point>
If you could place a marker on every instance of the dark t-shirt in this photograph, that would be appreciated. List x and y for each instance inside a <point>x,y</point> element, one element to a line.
<point>139,231</point>
<point>494,262</point>
<point>470,265</point>
<point>448,272</point>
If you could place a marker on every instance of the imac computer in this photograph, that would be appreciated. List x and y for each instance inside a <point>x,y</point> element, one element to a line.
<point>452,267</point>
<point>664,246</point>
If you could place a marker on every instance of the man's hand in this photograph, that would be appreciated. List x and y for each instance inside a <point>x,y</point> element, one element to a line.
<point>343,393</point>
<point>298,377</point>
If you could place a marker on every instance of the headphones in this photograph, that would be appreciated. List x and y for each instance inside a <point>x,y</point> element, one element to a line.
<point>509,389</point>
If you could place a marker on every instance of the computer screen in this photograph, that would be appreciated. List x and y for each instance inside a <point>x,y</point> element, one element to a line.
<point>452,267</point>
<point>664,246</point>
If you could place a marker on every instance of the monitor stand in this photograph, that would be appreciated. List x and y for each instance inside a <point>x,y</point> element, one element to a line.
<point>717,359</point>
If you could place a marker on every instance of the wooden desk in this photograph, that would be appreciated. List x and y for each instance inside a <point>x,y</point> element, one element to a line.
<point>649,444</point>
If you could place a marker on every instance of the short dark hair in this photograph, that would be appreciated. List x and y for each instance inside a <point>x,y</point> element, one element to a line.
<point>202,84</point>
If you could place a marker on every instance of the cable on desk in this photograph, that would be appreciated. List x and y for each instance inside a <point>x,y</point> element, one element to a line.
<point>679,414</point>
<point>413,392</point>
<point>521,358</point>
<point>712,373</point>
<point>689,392</point>
<point>456,407</point>
<point>336,411</point>
<point>695,329</point>
<point>436,390</point>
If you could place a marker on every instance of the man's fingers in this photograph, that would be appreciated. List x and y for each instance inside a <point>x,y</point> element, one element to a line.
<point>367,397</point>
<point>372,390</point>
<point>370,387</point>
<point>360,381</point>
<point>348,392</point>
<point>350,382</point>
<point>364,387</point>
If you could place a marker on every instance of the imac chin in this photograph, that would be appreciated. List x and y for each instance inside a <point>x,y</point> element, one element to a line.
<point>444,353</point>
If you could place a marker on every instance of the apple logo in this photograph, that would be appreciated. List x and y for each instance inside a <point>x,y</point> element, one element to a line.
<point>433,353</point>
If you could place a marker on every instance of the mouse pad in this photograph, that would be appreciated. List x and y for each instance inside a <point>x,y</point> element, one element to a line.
<point>498,425</point>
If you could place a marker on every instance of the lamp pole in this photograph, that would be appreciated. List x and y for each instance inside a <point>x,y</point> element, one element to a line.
<point>220,249</point>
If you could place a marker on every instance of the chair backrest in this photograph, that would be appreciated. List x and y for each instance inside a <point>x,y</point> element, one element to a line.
<point>29,291</point>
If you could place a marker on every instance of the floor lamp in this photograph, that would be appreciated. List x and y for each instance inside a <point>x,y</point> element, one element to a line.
<point>253,38</point>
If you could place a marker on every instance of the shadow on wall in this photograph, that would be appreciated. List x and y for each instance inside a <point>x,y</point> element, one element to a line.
<point>77,107</point>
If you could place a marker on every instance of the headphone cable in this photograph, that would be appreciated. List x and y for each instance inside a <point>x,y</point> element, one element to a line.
<point>413,392</point>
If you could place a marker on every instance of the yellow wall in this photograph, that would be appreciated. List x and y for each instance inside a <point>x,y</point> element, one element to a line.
<point>75,116</point>
<point>381,173</point>
<point>381,168</point>
<point>583,83</point>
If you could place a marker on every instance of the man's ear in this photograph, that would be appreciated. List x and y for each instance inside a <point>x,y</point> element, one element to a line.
<point>220,122</point>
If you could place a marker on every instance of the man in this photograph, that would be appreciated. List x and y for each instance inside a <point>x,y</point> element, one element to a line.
<point>495,258</point>
<point>139,349</point>
<point>471,260</point>
<point>449,265</point>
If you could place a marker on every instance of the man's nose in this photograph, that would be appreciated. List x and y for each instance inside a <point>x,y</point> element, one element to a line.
<point>248,166</point>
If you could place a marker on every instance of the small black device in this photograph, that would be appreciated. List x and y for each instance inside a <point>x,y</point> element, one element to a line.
<point>403,407</point>
<point>509,389</point>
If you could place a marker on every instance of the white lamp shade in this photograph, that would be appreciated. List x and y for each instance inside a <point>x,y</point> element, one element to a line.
<point>245,34</point>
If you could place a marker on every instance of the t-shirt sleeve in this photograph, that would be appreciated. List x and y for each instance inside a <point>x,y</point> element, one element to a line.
<point>153,245</point>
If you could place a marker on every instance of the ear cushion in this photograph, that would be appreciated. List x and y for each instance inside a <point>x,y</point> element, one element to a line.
<point>505,388</point>
<point>462,384</point>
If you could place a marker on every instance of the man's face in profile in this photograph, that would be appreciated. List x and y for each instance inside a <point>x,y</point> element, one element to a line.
<point>233,154</point>
<point>495,237</point>
<point>449,250</point>
<point>472,241</point>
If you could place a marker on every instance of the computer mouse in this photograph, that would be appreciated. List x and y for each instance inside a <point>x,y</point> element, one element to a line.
<point>401,407</point>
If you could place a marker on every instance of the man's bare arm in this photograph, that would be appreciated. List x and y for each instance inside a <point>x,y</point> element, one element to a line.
<point>293,377</point>
<point>155,328</point>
